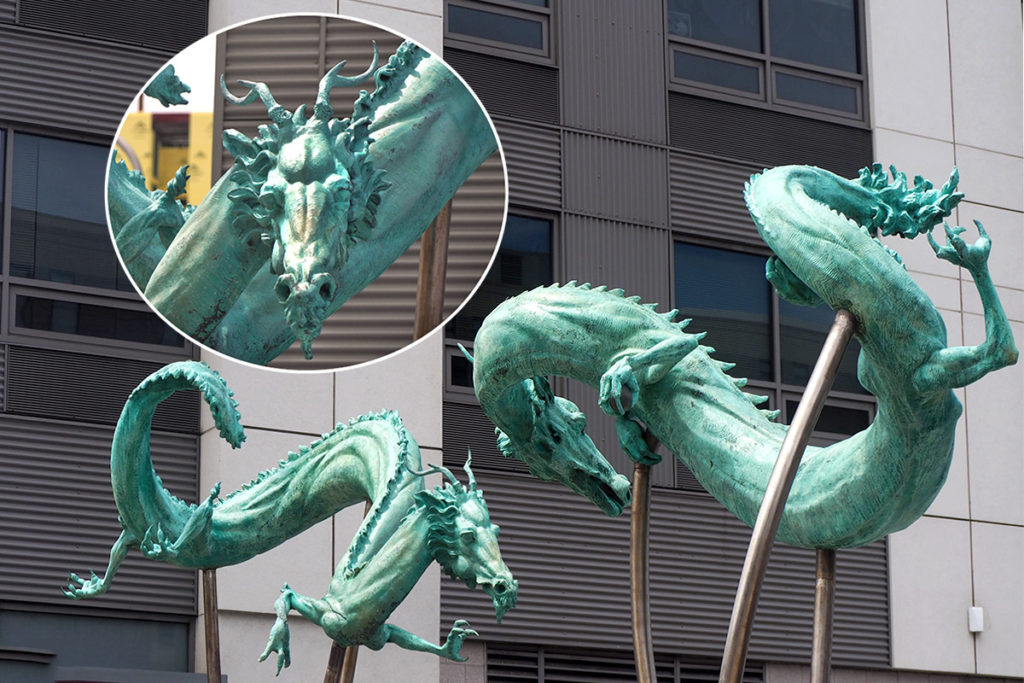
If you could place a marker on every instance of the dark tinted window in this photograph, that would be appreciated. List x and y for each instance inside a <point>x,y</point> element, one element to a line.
<point>733,23</point>
<point>523,262</point>
<point>71,317</point>
<point>821,32</point>
<point>59,227</point>
<point>802,332</point>
<point>726,294</point>
<point>719,72</point>
<point>502,28</point>
<point>816,92</point>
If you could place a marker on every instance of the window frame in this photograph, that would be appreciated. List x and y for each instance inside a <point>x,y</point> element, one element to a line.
<point>770,66</point>
<point>544,15</point>
<point>11,286</point>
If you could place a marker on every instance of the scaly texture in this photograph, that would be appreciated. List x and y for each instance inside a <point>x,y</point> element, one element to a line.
<point>371,458</point>
<point>822,229</point>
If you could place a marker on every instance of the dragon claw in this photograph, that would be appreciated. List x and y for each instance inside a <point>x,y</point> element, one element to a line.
<point>613,381</point>
<point>460,631</point>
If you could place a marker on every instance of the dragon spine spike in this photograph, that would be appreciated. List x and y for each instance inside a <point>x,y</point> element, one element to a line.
<point>771,415</point>
<point>756,399</point>
<point>740,382</point>
<point>724,366</point>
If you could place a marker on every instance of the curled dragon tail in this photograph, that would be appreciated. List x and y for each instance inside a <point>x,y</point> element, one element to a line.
<point>151,517</point>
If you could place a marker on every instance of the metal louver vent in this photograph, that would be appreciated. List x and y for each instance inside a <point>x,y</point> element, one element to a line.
<point>169,26</point>
<point>546,665</point>
<point>86,388</point>
<point>466,429</point>
<point>507,87</point>
<point>769,138</point>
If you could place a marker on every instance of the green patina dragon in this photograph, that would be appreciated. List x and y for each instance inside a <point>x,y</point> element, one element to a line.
<point>371,458</point>
<point>312,211</point>
<point>823,231</point>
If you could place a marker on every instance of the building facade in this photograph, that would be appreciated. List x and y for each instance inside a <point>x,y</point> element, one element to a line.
<point>628,130</point>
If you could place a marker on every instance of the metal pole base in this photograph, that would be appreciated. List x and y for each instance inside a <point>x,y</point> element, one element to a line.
<point>210,624</point>
<point>824,601</point>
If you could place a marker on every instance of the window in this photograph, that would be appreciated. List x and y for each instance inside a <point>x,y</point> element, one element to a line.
<point>774,343</point>
<point>517,28</point>
<point>62,282</point>
<point>523,262</point>
<point>796,55</point>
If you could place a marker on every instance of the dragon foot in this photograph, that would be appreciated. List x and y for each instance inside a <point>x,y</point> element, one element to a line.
<point>279,634</point>
<point>618,377</point>
<point>157,545</point>
<point>973,257</point>
<point>631,439</point>
<point>79,588</point>
<point>453,643</point>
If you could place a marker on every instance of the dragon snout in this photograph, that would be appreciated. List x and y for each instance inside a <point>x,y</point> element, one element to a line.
<point>319,290</point>
<point>504,593</point>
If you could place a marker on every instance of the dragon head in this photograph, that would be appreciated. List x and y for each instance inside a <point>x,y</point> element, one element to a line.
<point>558,448</point>
<point>463,540</point>
<point>311,185</point>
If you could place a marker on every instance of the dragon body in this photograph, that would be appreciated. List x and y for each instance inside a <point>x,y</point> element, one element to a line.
<point>312,211</point>
<point>822,230</point>
<point>371,458</point>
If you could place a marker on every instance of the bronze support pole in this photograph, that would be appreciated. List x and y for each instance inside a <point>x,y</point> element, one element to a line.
<point>824,600</point>
<point>768,517</point>
<point>639,568</point>
<point>210,623</point>
<point>433,267</point>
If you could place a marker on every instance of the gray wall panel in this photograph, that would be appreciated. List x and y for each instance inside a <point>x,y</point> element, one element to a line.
<point>534,158</point>
<point>572,566</point>
<point>602,86</point>
<point>615,179</point>
<point>94,81</point>
<point>706,199</point>
<point>59,514</point>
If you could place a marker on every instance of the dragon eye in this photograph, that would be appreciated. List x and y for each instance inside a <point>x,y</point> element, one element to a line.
<point>468,536</point>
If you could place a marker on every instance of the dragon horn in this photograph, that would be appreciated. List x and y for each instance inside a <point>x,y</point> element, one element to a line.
<point>278,114</point>
<point>323,109</point>
<point>466,468</point>
<point>466,353</point>
<point>437,468</point>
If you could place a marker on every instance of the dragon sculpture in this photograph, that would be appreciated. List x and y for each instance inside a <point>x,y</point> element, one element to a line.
<point>371,458</point>
<point>312,211</point>
<point>823,230</point>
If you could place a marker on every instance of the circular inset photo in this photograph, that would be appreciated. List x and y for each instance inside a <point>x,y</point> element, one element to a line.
<point>306,192</point>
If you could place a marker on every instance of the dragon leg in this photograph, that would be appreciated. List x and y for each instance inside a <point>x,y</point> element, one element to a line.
<point>646,367</point>
<point>410,641</point>
<point>93,586</point>
<point>156,545</point>
<point>962,365</point>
